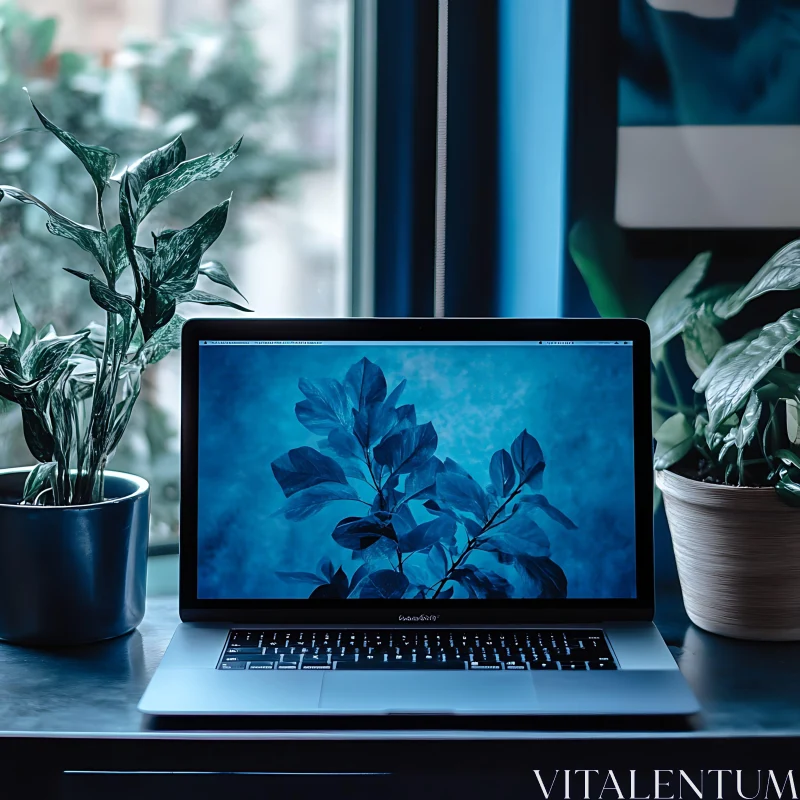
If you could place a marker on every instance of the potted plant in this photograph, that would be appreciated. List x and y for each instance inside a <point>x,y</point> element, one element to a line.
<point>727,455</point>
<point>73,535</point>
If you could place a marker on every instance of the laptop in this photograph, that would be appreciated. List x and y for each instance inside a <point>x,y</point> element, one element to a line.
<point>407,516</point>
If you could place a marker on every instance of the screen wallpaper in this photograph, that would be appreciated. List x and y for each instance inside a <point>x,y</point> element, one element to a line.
<point>415,471</point>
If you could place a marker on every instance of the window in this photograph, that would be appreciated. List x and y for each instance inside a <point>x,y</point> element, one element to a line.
<point>131,75</point>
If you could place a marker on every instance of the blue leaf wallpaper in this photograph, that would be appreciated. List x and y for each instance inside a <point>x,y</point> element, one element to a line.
<point>414,471</point>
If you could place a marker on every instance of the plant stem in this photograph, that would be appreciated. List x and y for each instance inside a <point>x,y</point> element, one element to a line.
<point>703,449</point>
<point>100,214</point>
<point>775,433</point>
<point>378,489</point>
<point>670,408</point>
<point>103,406</point>
<point>674,385</point>
<point>767,457</point>
<point>473,543</point>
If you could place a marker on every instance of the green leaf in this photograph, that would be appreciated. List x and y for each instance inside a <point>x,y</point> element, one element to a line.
<point>129,229</point>
<point>39,479</point>
<point>87,238</point>
<point>788,381</point>
<point>108,299</point>
<point>47,331</point>
<point>216,272</point>
<point>722,357</point>
<point>176,261</point>
<point>36,431</point>
<point>158,311</point>
<point>123,411</point>
<point>724,437</point>
<point>84,276</point>
<point>780,273</point>
<point>44,356</point>
<point>99,162</point>
<point>11,374</point>
<point>735,379</point>
<point>203,168</point>
<point>20,131</point>
<point>82,377</point>
<point>60,414</point>
<point>156,163</point>
<point>749,423</point>
<point>42,36</point>
<point>119,253</point>
<point>700,425</point>
<point>163,341</point>
<point>788,457</point>
<point>675,307</point>
<point>727,442</point>
<point>207,299</point>
<point>788,489</point>
<point>27,332</point>
<point>673,441</point>
<point>598,250</point>
<point>701,342</point>
<point>136,341</point>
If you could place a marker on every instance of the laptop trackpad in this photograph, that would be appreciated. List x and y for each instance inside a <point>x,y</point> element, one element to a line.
<point>409,692</point>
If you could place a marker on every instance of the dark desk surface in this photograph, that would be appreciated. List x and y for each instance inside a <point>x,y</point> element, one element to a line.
<point>750,693</point>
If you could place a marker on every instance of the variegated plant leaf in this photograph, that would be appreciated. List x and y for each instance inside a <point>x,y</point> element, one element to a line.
<point>38,480</point>
<point>99,162</point>
<point>738,376</point>
<point>176,261</point>
<point>780,273</point>
<point>158,162</point>
<point>163,341</point>
<point>217,273</point>
<point>204,168</point>
<point>87,238</point>
<point>206,299</point>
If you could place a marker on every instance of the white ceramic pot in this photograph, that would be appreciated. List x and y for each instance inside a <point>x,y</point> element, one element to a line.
<point>738,556</point>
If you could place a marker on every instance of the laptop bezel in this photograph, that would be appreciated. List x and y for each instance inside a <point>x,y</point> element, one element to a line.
<point>447,612</point>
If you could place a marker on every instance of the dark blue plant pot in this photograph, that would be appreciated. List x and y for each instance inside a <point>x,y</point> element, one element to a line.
<point>72,574</point>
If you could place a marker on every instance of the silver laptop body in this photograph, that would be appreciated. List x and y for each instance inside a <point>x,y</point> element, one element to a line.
<point>416,517</point>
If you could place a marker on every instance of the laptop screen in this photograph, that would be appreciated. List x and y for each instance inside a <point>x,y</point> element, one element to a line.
<point>415,470</point>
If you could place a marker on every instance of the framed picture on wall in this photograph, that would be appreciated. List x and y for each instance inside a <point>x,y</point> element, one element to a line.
<point>684,124</point>
<point>708,114</point>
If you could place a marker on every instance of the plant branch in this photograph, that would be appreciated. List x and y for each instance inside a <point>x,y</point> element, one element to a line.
<point>674,384</point>
<point>700,445</point>
<point>375,486</point>
<point>101,218</point>
<point>473,543</point>
<point>767,457</point>
<point>670,408</point>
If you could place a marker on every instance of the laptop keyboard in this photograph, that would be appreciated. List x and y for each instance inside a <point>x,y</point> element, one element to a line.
<point>546,649</point>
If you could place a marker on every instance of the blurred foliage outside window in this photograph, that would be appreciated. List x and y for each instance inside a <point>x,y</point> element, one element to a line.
<point>204,69</point>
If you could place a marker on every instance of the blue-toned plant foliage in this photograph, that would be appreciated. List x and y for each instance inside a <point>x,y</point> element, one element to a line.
<point>424,517</point>
<point>76,393</point>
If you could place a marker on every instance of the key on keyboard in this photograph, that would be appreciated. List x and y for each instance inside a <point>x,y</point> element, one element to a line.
<point>482,650</point>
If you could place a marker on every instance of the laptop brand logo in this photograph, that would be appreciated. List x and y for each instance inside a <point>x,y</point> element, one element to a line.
<point>419,618</point>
